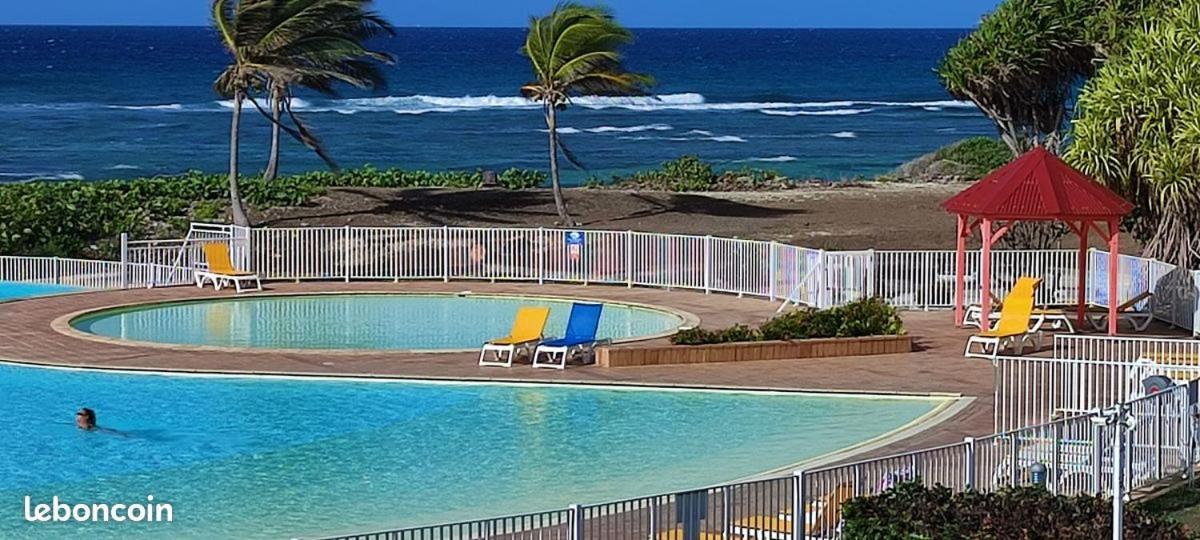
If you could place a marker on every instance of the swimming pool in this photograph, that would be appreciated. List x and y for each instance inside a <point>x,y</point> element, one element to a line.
<point>12,290</point>
<point>279,458</point>
<point>356,321</point>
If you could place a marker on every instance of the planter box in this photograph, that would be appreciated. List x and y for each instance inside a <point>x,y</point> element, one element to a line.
<point>751,350</point>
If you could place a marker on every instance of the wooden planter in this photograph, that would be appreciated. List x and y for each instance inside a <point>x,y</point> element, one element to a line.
<point>751,350</point>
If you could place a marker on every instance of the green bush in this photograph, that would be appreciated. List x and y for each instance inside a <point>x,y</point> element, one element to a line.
<point>85,219</point>
<point>911,511</point>
<point>981,155</point>
<point>690,173</point>
<point>867,317</point>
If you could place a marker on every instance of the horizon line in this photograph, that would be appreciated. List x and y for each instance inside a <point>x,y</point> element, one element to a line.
<point>431,27</point>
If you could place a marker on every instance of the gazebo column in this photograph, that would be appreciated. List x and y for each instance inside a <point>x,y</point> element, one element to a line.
<point>1082,231</point>
<point>985,275</point>
<point>1114,269</point>
<point>960,268</point>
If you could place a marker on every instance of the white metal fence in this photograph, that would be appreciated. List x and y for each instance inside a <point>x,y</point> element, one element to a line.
<point>909,279</point>
<point>1085,373</point>
<point>1077,453</point>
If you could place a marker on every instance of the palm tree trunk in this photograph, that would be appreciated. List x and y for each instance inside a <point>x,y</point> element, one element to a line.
<point>276,113</point>
<point>560,202</point>
<point>235,197</point>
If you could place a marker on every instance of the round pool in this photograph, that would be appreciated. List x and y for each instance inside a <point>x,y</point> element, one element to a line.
<point>417,322</point>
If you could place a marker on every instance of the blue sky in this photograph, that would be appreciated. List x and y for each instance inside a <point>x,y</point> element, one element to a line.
<point>636,13</point>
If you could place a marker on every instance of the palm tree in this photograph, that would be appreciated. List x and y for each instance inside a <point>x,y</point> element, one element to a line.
<point>276,43</point>
<point>575,50</point>
<point>234,20</point>
<point>316,43</point>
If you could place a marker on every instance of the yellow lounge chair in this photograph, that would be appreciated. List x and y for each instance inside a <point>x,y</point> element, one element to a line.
<point>219,269</point>
<point>526,331</point>
<point>822,519</point>
<point>1098,315</point>
<point>1015,326</point>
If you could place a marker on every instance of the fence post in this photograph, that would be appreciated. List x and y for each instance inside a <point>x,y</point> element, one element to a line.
<point>823,280</point>
<point>124,260</point>
<point>969,482</point>
<point>541,258</point>
<point>798,496</point>
<point>1014,460</point>
<point>707,264</point>
<point>1056,459</point>
<point>346,252</point>
<point>871,288</point>
<point>1158,437</point>
<point>629,259</point>
<point>445,254</point>
<point>57,271</point>
<point>773,258</point>
<point>575,522</point>
<point>1097,458</point>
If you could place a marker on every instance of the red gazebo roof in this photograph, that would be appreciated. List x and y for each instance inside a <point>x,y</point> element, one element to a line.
<point>1038,186</point>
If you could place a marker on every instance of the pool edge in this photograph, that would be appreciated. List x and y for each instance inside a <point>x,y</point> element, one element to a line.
<point>64,323</point>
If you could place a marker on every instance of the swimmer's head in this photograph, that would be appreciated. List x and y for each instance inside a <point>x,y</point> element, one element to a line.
<point>85,418</point>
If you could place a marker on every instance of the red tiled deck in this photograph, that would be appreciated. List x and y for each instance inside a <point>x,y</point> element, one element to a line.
<point>937,366</point>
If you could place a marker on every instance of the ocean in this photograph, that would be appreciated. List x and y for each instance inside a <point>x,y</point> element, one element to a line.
<point>113,102</point>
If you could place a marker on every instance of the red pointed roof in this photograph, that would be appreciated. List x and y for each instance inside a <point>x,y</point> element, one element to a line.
<point>1038,186</point>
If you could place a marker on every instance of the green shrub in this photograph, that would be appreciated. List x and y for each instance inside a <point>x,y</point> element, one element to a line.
<point>912,511</point>
<point>690,173</point>
<point>981,155</point>
<point>85,219</point>
<point>867,317</point>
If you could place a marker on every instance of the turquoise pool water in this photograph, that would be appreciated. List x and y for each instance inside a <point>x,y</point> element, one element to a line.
<point>356,321</point>
<point>275,458</point>
<point>11,290</point>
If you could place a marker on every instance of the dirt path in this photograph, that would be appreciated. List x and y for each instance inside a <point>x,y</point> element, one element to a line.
<point>854,217</point>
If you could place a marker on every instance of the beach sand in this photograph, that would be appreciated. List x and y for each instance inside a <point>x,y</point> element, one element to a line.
<point>860,216</point>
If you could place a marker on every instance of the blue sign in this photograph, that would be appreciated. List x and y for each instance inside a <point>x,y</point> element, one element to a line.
<point>574,238</point>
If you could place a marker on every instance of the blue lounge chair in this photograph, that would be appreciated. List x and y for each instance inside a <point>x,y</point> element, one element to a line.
<point>580,337</point>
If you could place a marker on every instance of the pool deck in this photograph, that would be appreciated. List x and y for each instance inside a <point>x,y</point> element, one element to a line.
<point>33,331</point>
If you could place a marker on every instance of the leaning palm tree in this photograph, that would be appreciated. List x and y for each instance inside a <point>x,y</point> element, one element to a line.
<point>311,43</point>
<point>314,44</point>
<point>236,21</point>
<point>575,50</point>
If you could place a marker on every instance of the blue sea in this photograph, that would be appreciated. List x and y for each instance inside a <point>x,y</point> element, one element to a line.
<point>105,102</point>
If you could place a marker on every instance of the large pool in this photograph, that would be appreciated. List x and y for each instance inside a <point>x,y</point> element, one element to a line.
<point>279,458</point>
<point>356,321</point>
<point>11,290</point>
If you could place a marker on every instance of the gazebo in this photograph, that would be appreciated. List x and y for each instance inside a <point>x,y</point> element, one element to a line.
<point>1038,186</point>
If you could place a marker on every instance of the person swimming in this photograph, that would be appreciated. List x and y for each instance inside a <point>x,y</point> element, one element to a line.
<point>85,419</point>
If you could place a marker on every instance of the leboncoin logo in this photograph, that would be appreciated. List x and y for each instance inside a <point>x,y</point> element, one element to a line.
<point>59,511</point>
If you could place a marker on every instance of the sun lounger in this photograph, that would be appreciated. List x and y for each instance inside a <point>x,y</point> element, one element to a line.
<point>526,331</point>
<point>823,518</point>
<point>579,337</point>
<point>1140,320</point>
<point>1014,327</point>
<point>971,317</point>
<point>220,271</point>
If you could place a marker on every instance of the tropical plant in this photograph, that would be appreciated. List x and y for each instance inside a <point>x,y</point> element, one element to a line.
<point>1138,131</point>
<point>865,317</point>
<point>234,21</point>
<point>912,511</point>
<point>85,218</point>
<point>575,50</point>
<point>315,44</point>
<point>277,43</point>
<point>1021,67</point>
